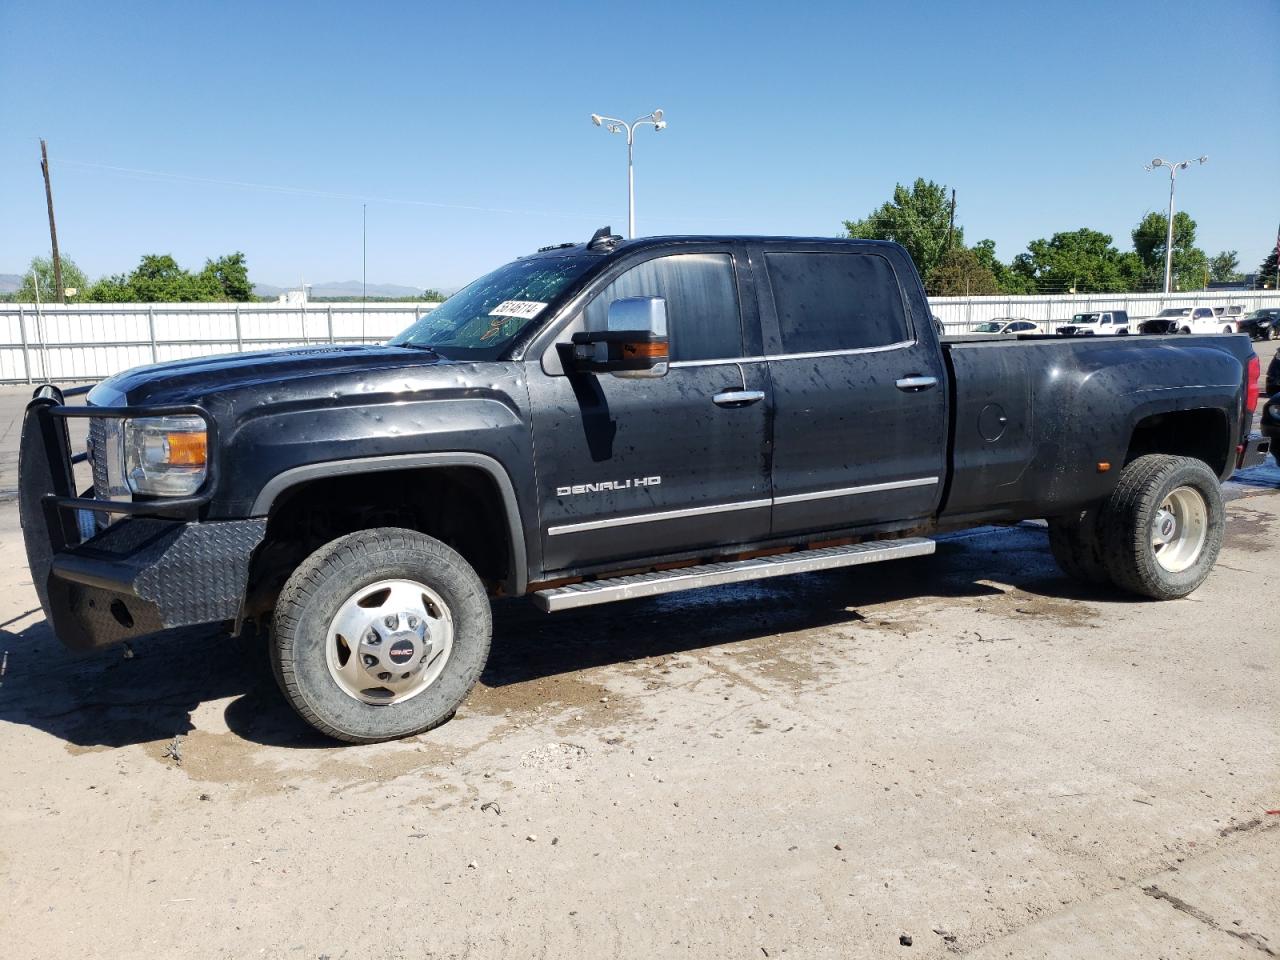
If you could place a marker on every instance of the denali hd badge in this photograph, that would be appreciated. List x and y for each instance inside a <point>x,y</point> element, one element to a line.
<point>605,485</point>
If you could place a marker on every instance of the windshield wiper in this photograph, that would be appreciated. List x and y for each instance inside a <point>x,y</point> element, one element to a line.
<point>420,346</point>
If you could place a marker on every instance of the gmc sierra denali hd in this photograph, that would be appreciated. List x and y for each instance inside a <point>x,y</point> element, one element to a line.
<point>601,421</point>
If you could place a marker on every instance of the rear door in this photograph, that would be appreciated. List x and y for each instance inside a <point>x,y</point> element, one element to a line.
<point>860,406</point>
<point>636,467</point>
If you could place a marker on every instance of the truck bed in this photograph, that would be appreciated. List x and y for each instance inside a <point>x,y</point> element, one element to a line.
<point>1034,416</point>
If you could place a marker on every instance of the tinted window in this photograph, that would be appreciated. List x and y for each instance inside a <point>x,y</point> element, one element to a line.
<point>703,319</point>
<point>835,301</point>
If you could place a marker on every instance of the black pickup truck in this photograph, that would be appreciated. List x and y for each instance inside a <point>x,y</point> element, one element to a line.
<point>601,421</point>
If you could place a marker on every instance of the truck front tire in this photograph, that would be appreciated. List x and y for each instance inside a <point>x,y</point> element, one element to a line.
<point>1163,525</point>
<point>1076,543</point>
<point>380,635</point>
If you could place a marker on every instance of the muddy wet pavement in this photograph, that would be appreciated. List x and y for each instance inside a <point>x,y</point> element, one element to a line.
<point>966,750</point>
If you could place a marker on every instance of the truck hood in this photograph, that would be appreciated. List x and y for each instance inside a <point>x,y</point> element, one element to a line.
<point>200,379</point>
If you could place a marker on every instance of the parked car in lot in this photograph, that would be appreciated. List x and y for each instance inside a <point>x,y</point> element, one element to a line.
<point>1008,325</point>
<point>604,421</point>
<point>1099,323</point>
<point>1262,324</point>
<point>1272,386</point>
<point>1182,320</point>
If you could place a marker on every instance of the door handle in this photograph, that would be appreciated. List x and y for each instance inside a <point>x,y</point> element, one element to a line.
<point>916,384</point>
<point>737,398</point>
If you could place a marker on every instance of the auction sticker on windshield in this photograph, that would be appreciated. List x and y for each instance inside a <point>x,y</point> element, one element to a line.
<point>524,309</point>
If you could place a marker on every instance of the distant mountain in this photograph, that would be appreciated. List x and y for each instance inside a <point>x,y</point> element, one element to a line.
<point>10,282</point>
<point>343,288</point>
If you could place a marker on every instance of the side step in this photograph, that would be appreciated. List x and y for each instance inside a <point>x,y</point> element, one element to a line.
<point>731,571</point>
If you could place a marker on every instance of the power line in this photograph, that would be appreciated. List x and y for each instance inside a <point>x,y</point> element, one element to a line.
<point>160,175</point>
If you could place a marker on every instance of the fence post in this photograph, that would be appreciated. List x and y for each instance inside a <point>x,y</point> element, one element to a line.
<point>151,330</point>
<point>26,354</point>
<point>330,313</point>
<point>239,337</point>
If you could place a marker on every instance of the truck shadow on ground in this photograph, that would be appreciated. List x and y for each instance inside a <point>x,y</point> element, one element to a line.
<point>109,699</point>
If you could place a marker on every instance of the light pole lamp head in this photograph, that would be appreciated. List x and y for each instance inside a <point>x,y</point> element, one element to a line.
<point>660,125</point>
<point>657,115</point>
<point>1157,162</point>
<point>595,118</point>
<point>1202,160</point>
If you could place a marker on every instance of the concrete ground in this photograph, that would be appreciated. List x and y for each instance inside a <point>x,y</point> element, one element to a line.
<point>965,754</point>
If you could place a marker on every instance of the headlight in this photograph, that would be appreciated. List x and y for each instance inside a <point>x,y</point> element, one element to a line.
<point>166,456</point>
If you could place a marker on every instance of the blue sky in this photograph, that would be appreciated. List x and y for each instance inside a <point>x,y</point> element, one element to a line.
<point>465,126</point>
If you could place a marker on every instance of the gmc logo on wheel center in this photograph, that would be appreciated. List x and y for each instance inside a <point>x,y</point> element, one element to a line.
<point>603,485</point>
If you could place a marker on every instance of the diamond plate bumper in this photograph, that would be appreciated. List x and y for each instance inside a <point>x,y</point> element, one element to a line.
<point>140,575</point>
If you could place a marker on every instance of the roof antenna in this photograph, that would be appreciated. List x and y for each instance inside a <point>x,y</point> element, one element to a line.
<point>604,239</point>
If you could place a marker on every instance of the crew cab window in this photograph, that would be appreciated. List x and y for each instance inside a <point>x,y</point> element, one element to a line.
<point>1203,313</point>
<point>704,321</point>
<point>835,301</point>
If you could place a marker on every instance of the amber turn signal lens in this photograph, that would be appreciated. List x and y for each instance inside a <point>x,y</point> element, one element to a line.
<point>187,449</point>
<point>1103,466</point>
<point>656,351</point>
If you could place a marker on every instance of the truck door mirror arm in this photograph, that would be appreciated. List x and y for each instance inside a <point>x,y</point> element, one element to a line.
<point>633,342</point>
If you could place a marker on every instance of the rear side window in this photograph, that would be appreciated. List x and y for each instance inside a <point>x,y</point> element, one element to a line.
<point>835,301</point>
<point>704,321</point>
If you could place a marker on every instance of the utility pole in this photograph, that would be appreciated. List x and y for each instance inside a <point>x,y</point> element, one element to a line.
<point>53,230</point>
<point>951,224</point>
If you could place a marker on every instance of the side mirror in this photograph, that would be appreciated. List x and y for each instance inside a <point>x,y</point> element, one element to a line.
<point>633,342</point>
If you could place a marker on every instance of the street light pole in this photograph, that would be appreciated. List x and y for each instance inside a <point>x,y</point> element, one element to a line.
<point>613,125</point>
<point>1173,177</point>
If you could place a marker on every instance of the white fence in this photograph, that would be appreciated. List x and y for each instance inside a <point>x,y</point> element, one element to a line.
<point>961,314</point>
<point>90,341</point>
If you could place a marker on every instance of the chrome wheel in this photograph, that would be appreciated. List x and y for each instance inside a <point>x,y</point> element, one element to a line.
<point>1179,529</point>
<point>389,641</point>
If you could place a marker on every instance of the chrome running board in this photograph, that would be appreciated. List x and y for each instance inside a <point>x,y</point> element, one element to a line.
<point>730,571</point>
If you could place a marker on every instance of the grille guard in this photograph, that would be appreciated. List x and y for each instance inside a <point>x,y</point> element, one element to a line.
<point>47,488</point>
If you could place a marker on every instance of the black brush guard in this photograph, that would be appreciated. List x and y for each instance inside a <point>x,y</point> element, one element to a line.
<point>157,568</point>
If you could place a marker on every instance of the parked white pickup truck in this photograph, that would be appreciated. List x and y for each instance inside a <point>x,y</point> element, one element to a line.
<point>1098,323</point>
<point>1185,320</point>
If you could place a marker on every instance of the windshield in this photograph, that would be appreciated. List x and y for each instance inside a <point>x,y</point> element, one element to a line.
<point>991,326</point>
<point>1175,312</point>
<point>478,321</point>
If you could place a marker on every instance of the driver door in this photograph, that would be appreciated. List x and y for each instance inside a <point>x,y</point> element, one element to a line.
<point>637,467</point>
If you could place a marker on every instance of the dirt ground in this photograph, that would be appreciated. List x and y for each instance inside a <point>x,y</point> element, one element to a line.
<point>965,752</point>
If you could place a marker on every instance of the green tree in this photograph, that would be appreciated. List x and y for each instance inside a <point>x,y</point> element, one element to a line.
<point>1008,280</point>
<point>917,218</point>
<point>1267,269</point>
<point>961,273</point>
<point>230,275</point>
<point>1082,260</point>
<point>1225,267</point>
<point>159,279</point>
<point>433,296</point>
<point>41,269</point>
<point>112,289</point>
<point>1189,262</point>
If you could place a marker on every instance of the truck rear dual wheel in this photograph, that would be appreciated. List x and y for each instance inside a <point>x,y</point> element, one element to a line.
<point>380,635</point>
<point>1163,525</point>
<point>1158,534</point>
<point>1076,543</point>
